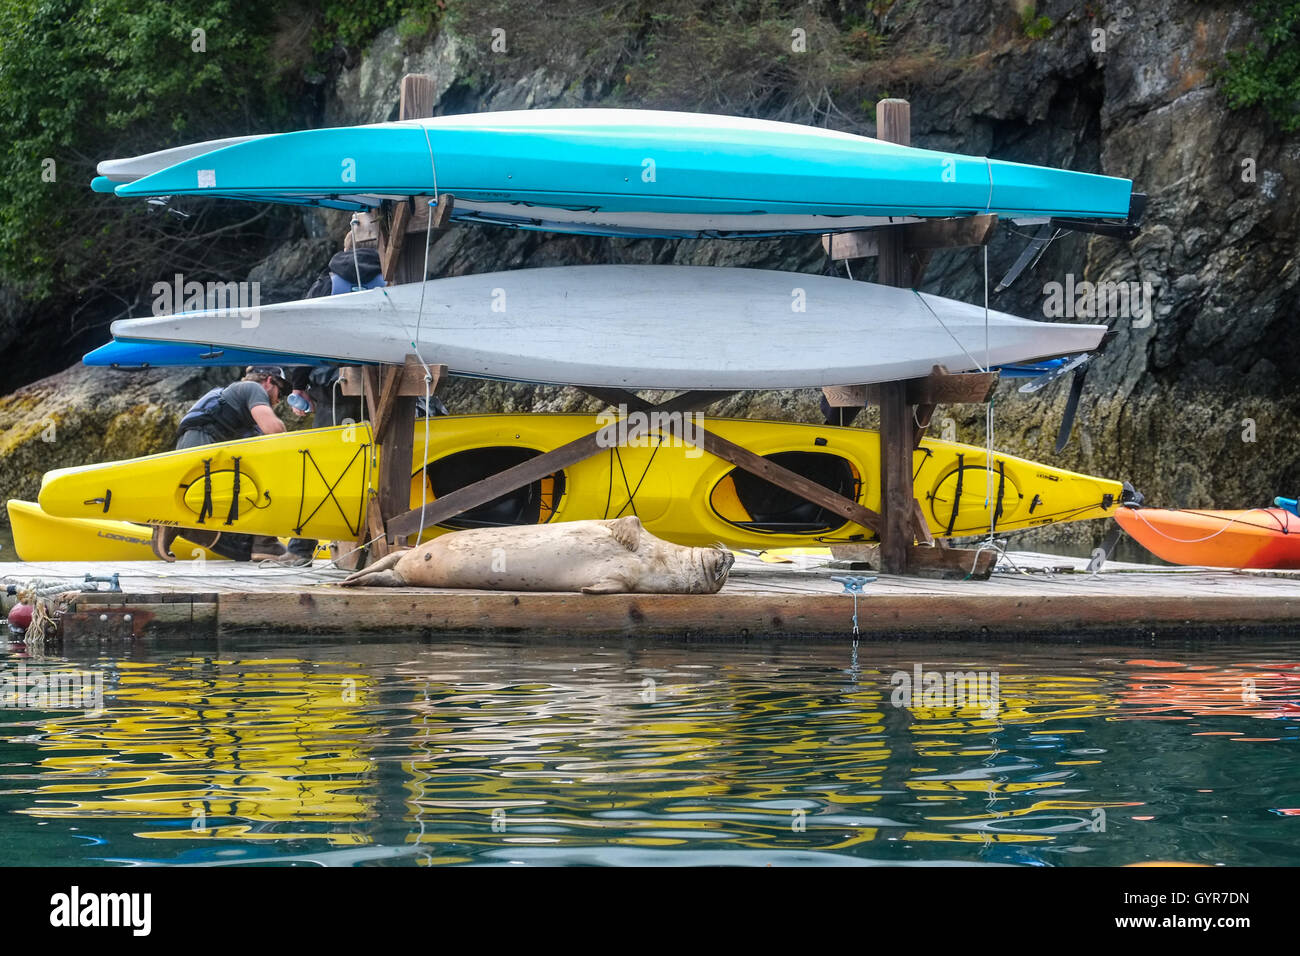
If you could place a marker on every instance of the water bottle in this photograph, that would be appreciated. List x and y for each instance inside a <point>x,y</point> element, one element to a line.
<point>298,402</point>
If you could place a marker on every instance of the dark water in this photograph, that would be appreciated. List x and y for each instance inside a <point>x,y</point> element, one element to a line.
<point>476,751</point>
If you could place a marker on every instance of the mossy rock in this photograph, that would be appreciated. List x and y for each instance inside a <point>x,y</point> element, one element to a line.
<point>85,415</point>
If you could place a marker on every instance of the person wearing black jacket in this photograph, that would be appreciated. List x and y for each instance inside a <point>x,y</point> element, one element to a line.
<point>240,410</point>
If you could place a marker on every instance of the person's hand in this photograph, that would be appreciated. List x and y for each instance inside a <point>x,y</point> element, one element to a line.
<point>311,406</point>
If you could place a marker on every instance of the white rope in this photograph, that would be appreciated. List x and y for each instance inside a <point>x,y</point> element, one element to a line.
<point>1231,521</point>
<point>428,237</point>
<point>973,360</point>
<point>988,461</point>
<point>48,602</point>
<point>415,344</point>
<point>424,277</point>
<point>428,413</point>
<point>432,165</point>
<point>988,406</point>
<point>988,361</point>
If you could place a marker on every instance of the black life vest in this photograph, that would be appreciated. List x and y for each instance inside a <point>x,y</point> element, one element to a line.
<point>214,415</point>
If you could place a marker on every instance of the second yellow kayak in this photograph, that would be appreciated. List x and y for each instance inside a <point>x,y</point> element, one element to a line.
<point>42,537</point>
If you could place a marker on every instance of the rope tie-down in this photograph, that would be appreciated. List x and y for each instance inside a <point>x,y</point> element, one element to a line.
<point>49,600</point>
<point>854,584</point>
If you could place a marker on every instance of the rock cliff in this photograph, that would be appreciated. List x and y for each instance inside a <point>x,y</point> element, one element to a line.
<point>1193,399</point>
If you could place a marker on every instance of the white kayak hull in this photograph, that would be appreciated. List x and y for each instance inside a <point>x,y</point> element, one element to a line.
<point>131,168</point>
<point>638,326</point>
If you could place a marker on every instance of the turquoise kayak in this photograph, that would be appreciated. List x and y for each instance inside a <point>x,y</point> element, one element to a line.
<point>628,172</point>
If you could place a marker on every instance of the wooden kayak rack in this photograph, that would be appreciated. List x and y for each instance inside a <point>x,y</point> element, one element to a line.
<point>902,252</point>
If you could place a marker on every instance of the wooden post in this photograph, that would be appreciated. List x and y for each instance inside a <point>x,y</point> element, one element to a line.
<point>919,238</point>
<point>398,446</point>
<point>393,392</point>
<point>903,252</point>
<point>407,259</point>
<point>391,396</point>
<point>894,125</point>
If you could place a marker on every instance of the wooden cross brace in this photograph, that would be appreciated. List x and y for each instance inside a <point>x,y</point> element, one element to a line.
<point>481,492</point>
<point>390,397</point>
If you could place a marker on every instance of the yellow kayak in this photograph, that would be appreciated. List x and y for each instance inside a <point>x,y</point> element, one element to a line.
<point>42,537</point>
<point>315,483</point>
<point>790,555</point>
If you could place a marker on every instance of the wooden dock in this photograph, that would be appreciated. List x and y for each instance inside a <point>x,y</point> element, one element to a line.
<point>1048,597</point>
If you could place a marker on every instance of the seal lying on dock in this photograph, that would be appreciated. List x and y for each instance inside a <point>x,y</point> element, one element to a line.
<point>594,557</point>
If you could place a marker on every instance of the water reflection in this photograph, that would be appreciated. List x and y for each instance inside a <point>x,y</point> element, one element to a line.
<point>211,749</point>
<point>667,753</point>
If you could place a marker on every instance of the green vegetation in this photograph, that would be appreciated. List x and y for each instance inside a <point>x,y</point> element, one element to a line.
<point>1038,27</point>
<point>1035,27</point>
<point>82,81</point>
<point>1267,74</point>
<point>354,25</point>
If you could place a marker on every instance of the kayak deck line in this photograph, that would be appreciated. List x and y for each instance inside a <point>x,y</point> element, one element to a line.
<point>1057,599</point>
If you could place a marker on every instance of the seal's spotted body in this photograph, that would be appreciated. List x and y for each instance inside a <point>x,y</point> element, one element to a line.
<point>594,557</point>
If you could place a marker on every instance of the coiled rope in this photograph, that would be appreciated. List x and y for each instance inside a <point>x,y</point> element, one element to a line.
<point>48,603</point>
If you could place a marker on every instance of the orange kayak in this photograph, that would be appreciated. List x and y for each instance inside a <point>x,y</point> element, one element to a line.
<point>1256,538</point>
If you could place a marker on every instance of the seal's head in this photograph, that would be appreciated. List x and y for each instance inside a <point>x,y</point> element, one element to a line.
<point>693,570</point>
<point>663,567</point>
<point>716,564</point>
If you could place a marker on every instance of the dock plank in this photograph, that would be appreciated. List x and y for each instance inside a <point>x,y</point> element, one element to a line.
<point>796,598</point>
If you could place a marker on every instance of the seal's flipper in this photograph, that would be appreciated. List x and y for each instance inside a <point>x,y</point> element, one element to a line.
<point>374,579</point>
<point>379,574</point>
<point>607,586</point>
<point>626,531</point>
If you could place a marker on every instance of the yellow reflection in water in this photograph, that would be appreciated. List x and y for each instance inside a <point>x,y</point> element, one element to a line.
<point>264,741</point>
<point>721,759</point>
<point>281,750</point>
<point>1022,700</point>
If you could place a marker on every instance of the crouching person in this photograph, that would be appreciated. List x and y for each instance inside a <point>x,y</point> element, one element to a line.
<point>243,409</point>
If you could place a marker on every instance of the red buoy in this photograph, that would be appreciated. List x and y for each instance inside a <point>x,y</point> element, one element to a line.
<point>20,615</point>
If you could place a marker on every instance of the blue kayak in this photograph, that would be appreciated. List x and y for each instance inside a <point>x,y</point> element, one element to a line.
<point>145,354</point>
<point>138,355</point>
<point>627,172</point>
<point>1031,369</point>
